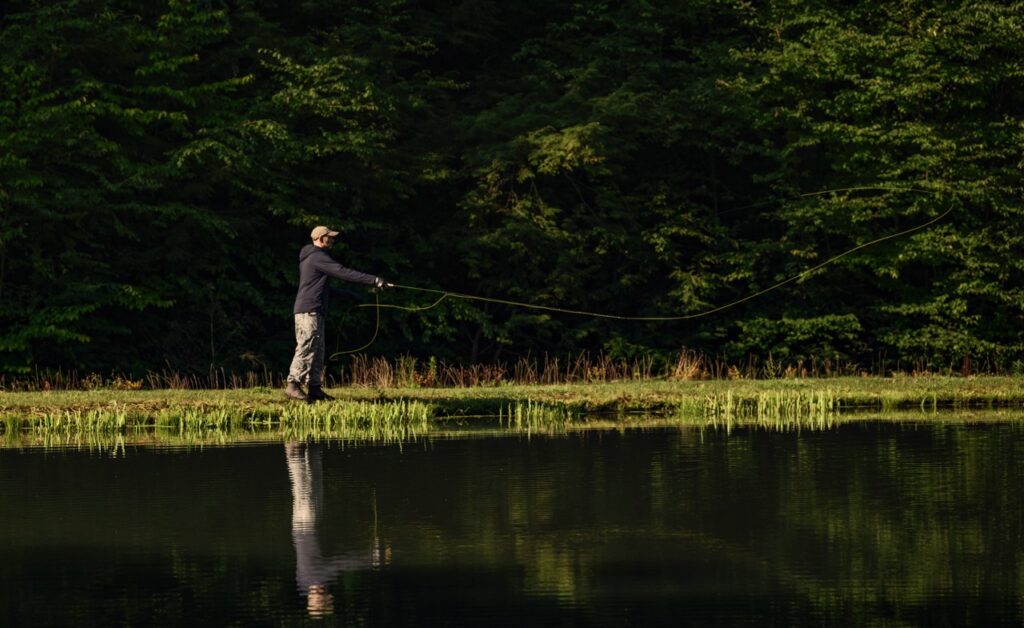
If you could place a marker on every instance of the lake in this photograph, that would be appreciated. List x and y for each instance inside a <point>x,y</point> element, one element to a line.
<point>866,523</point>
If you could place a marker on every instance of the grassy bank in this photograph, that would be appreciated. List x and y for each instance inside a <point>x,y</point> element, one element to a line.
<point>118,409</point>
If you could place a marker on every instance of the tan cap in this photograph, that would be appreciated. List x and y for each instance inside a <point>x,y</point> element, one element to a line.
<point>321,231</point>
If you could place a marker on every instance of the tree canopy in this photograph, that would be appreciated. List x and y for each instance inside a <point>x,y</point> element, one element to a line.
<point>161,163</point>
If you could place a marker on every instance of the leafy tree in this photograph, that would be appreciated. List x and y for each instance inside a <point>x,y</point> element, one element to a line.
<point>104,225</point>
<point>595,176</point>
<point>918,99</point>
<point>160,164</point>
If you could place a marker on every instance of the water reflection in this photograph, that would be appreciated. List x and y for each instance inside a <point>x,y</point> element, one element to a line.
<point>314,570</point>
<point>869,524</point>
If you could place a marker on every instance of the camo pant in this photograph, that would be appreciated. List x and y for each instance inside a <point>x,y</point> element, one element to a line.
<point>308,363</point>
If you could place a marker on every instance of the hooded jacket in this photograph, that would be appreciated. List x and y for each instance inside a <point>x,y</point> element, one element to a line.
<point>315,266</point>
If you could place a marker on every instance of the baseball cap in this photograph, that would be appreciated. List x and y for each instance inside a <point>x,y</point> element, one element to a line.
<point>321,231</point>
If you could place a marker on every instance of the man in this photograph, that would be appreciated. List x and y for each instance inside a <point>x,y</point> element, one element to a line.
<point>315,266</point>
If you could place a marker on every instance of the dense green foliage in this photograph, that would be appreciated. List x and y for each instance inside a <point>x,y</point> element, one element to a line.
<point>162,162</point>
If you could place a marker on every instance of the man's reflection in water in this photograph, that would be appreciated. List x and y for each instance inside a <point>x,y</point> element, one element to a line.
<point>313,570</point>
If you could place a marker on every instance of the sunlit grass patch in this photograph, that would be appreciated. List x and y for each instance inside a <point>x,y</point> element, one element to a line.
<point>532,416</point>
<point>389,421</point>
<point>390,413</point>
<point>815,409</point>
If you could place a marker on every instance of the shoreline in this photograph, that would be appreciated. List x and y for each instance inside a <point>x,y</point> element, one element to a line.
<point>129,408</point>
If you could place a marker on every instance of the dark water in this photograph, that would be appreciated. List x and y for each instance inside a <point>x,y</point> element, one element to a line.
<point>865,524</point>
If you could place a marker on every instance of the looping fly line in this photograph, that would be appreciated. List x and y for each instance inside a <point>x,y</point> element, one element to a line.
<point>470,297</point>
<point>446,294</point>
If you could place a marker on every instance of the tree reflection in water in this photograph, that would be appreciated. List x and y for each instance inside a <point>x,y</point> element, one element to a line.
<point>314,570</point>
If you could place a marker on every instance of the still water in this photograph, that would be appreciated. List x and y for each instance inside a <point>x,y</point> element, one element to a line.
<point>865,524</point>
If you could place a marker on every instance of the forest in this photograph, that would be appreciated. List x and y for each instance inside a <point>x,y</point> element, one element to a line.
<point>162,163</point>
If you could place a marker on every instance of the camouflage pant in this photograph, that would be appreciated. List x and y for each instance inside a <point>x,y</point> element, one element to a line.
<point>308,363</point>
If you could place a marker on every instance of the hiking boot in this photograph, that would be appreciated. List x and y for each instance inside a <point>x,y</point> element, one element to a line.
<point>292,391</point>
<point>316,393</point>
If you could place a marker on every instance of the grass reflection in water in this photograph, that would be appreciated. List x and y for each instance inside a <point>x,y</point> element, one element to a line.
<point>835,518</point>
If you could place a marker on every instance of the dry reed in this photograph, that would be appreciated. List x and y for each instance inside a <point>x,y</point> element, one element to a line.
<point>362,370</point>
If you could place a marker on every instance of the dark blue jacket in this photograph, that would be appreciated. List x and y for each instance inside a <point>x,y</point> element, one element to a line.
<point>315,266</point>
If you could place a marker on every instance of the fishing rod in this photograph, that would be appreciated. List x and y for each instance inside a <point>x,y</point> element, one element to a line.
<point>449,294</point>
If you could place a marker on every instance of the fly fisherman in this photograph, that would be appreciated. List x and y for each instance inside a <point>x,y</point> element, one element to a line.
<point>310,310</point>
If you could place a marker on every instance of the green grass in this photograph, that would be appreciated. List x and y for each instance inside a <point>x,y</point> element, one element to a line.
<point>397,412</point>
<point>524,420</point>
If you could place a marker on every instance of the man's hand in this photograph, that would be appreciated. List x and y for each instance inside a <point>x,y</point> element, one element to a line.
<point>380,284</point>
